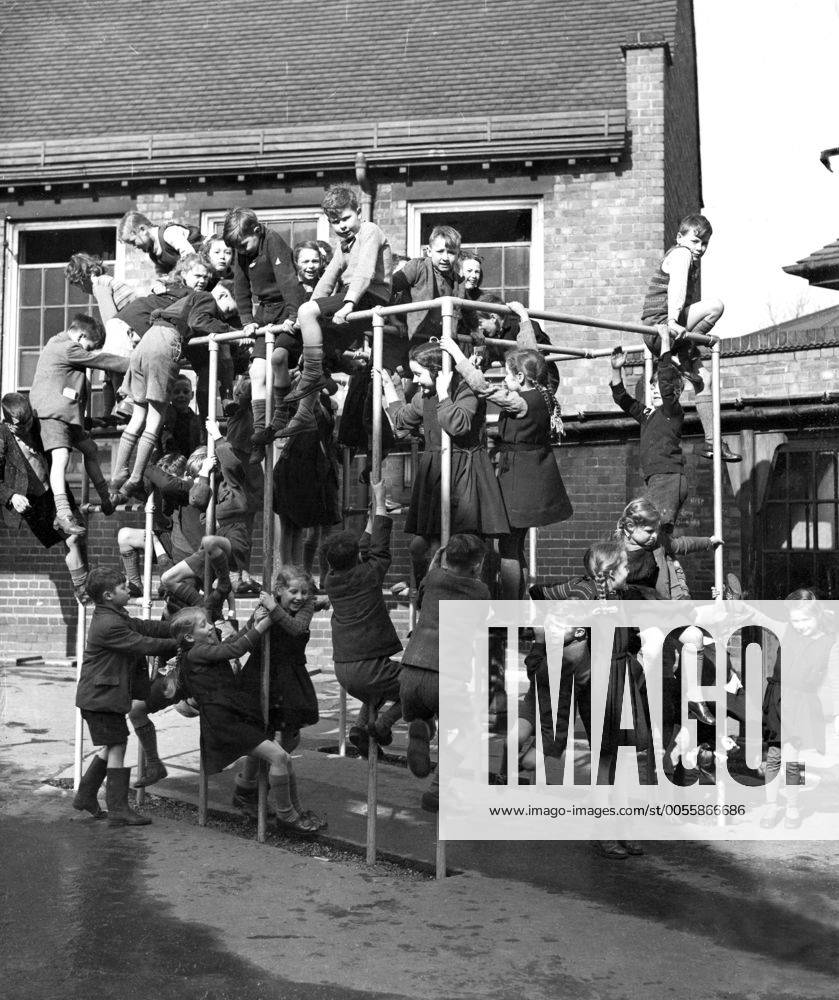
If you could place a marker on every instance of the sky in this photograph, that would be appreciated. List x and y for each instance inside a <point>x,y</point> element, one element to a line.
<point>768,104</point>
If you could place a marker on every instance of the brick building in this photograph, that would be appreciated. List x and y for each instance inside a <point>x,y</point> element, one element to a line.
<point>561,139</point>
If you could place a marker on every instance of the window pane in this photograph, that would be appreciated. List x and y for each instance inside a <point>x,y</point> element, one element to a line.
<point>55,291</point>
<point>26,370</point>
<point>30,287</point>
<point>800,475</point>
<point>801,533</point>
<point>30,328</point>
<point>516,266</point>
<point>776,532</point>
<point>513,294</point>
<point>283,228</point>
<point>510,225</point>
<point>778,481</point>
<point>802,572</point>
<point>302,231</point>
<point>54,322</point>
<point>76,297</point>
<point>56,246</point>
<point>826,475</point>
<point>775,577</point>
<point>492,267</point>
<point>825,525</point>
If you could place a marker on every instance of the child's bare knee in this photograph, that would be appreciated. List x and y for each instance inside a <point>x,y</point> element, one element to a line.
<point>309,310</point>
<point>418,547</point>
<point>716,307</point>
<point>692,636</point>
<point>279,356</point>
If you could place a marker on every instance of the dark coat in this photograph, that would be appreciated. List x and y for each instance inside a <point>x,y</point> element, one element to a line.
<point>16,476</point>
<point>115,644</point>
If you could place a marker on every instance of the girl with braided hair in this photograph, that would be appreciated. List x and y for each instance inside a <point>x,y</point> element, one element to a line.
<point>531,485</point>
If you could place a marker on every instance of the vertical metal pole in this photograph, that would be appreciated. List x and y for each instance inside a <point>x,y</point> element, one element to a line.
<point>148,555</point>
<point>81,629</point>
<point>267,574</point>
<point>648,374</point>
<point>78,744</point>
<point>375,476</point>
<point>414,583</point>
<point>447,316</point>
<point>210,527</point>
<point>345,506</point>
<point>533,537</point>
<point>715,402</point>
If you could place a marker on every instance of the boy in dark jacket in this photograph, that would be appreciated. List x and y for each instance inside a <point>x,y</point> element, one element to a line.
<point>662,461</point>
<point>363,636</point>
<point>114,671</point>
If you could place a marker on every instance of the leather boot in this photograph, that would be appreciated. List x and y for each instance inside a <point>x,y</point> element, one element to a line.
<point>154,768</point>
<point>120,812</point>
<point>85,799</point>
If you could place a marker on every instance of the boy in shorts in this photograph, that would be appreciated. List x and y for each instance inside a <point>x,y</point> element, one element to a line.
<point>58,397</point>
<point>263,270</point>
<point>25,493</point>
<point>113,672</point>
<point>358,277</point>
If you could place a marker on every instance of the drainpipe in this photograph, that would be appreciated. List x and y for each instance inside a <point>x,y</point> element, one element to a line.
<point>4,273</point>
<point>364,183</point>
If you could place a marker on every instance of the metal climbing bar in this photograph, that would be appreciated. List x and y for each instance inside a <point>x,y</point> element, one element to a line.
<point>148,555</point>
<point>81,629</point>
<point>716,404</point>
<point>268,521</point>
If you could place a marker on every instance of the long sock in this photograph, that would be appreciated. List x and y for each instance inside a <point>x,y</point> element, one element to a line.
<point>147,735</point>
<point>282,410</point>
<point>103,490</point>
<point>127,442</point>
<point>292,791</point>
<point>131,564</point>
<point>145,446</point>
<point>280,786</point>
<point>62,506</point>
<point>704,326</point>
<point>186,592</point>
<point>78,577</point>
<point>258,408</point>
<point>705,412</point>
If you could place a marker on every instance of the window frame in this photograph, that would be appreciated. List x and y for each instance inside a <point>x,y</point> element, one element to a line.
<point>11,329</point>
<point>210,217</point>
<point>536,206</point>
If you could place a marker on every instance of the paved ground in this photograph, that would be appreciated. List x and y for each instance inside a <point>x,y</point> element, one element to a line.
<point>173,910</point>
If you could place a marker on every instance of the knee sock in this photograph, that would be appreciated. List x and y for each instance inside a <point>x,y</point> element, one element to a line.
<point>705,412</point>
<point>292,791</point>
<point>62,506</point>
<point>145,446</point>
<point>705,326</point>
<point>102,489</point>
<point>280,786</point>
<point>131,565</point>
<point>147,735</point>
<point>126,445</point>
<point>78,577</point>
<point>258,408</point>
<point>282,410</point>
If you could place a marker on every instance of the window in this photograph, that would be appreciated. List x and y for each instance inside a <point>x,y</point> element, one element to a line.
<point>507,233</point>
<point>294,224</point>
<point>40,301</point>
<point>800,520</point>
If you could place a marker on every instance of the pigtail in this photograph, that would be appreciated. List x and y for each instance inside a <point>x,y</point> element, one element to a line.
<point>175,677</point>
<point>600,584</point>
<point>557,430</point>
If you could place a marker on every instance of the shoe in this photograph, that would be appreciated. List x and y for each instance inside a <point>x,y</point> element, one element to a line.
<point>360,739</point>
<point>80,593</point>
<point>792,818</point>
<point>134,591</point>
<point>419,756</point>
<point>612,849</point>
<point>771,819</point>
<point>120,812</point>
<point>319,822</point>
<point>400,590</point>
<point>301,422</point>
<point>383,735</point>
<point>262,437</point>
<point>69,525</point>
<point>733,589</point>
<point>302,825</point>
<point>247,799</point>
<point>430,801</point>
<point>632,848</point>
<point>229,407</point>
<point>699,710</point>
<point>85,799</point>
<point>154,772</point>
<point>107,506</point>
<point>136,491</point>
<point>728,455</point>
<point>302,389</point>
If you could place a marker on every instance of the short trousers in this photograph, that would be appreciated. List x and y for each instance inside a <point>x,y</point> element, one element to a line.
<point>153,366</point>
<point>107,729</point>
<point>119,338</point>
<point>265,313</point>
<point>59,434</point>
<point>239,532</point>
<point>344,335</point>
<point>291,343</point>
<point>419,692</point>
<point>373,681</point>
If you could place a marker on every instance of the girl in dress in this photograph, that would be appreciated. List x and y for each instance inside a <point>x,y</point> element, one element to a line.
<point>530,482</point>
